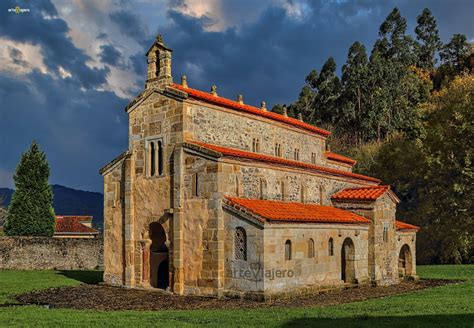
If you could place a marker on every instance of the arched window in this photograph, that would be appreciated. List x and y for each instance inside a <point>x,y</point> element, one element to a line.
<point>331,247</point>
<point>313,158</point>
<point>278,150</point>
<point>310,248</point>
<point>297,154</point>
<point>152,159</point>
<point>240,244</point>
<point>195,185</point>
<point>160,158</point>
<point>256,145</point>
<point>283,190</point>
<point>288,250</point>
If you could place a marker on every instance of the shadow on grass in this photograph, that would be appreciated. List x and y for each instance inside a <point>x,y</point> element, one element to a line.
<point>92,277</point>
<point>454,320</point>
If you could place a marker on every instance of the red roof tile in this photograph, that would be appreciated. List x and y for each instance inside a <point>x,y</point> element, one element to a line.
<point>340,158</point>
<point>72,225</point>
<point>399,225</point>
<point>216,100</point>
<point>277,211</point>
<point>232,152</point>
<point>361,193</point>
<point>76,217</point>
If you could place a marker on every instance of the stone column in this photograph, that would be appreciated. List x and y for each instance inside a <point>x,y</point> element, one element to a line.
<point>145,244</point>
<point>177,238</point>
<point>129,242</point>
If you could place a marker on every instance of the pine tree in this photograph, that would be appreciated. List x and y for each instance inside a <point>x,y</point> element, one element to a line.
<point>30,212</point>
<point>430,43</point>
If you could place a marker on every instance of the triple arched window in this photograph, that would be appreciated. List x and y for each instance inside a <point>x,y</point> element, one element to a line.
<point>240,244</point>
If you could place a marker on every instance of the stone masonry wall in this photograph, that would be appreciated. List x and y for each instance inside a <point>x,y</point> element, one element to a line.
<point>43,253</point>
<point>236,130</point>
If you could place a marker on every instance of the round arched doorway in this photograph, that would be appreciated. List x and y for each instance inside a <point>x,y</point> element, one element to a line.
<point>159,257</point>
<point>347,261</point>
<point>404,261</point>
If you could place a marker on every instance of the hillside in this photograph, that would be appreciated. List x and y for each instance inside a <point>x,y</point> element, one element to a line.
<point>68,201</point>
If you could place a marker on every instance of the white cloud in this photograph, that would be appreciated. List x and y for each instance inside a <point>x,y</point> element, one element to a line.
<point>28,57</point>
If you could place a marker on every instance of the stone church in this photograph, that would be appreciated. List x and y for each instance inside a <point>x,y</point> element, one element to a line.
<point>219,198</point>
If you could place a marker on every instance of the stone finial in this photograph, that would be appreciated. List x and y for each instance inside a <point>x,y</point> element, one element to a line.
<point>159,39</point>
<point>214,90</point>
<point>285,111</point>
<point>300,117</point>
<point>184,81</point>
<point>264,106</point>
<point>240,99</point>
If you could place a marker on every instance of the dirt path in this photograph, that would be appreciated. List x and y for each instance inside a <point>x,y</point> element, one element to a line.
<point>113,298</point>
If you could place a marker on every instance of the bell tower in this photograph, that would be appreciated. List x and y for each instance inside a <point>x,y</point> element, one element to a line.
<point>159,65</point>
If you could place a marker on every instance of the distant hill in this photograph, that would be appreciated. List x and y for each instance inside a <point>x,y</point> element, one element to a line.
<point>68,201</point>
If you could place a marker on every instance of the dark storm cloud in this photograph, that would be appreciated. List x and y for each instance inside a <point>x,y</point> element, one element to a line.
<point>17,57</point>
<point>110,55</point>
<point>79,130</point>
<point>129,24</point>
<point>42,27</point>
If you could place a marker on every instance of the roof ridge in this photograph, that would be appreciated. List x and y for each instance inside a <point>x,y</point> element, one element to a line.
<point>209,97</point>
<point>279,160</point>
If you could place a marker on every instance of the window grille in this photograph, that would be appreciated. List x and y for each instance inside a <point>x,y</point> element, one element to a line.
<point>240,244</point>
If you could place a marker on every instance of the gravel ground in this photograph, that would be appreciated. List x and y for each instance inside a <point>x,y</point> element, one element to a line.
<point>106,298</point>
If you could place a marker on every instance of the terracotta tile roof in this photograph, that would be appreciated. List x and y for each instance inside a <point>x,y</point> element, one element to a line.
<point>76,217</point>
<point>399,225</point>
<point>361,193</point>
<point>340,158</point>
<point>216,100</point>
<point>232,152</point>
<point>278,211</point>
<point>73,225</point>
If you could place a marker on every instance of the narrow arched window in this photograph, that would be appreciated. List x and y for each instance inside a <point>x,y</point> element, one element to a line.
<point>258,145</point>
<point>288,250</point>
<point>331,247</point>
<point>313,158</point>
<point>195,185</point>
<point>152,159</point>
<point>310,248</point>
<point>240,244</point>
<point>283,190</point>
<point>160,158</point>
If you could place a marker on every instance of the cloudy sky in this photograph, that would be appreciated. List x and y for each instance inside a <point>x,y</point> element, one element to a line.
<point>68,68</point>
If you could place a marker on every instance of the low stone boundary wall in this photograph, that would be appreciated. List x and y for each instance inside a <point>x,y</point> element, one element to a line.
<point>28,253</point>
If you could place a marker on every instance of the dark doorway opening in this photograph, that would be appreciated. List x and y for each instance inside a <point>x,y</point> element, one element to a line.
<point>159,257</point>
<point>347,261</point>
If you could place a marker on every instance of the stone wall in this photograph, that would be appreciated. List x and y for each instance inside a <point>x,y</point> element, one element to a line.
<point>236,130</point>
<point>42,253</point>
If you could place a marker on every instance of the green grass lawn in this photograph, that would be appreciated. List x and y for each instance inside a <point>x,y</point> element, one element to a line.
<point>451,305</point>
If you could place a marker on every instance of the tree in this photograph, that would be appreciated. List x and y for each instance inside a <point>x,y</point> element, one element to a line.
<point>434,175</point>
<point>455,53</point>
<point>30,212</point>
<point>429,41</point>
<point>354,93</point>
<point>328,88</point>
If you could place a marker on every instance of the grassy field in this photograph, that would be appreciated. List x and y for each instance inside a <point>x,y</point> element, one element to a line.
<point>447,306</point>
